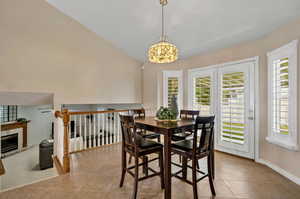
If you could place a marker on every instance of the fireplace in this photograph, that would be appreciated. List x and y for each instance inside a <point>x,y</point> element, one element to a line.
<point>9,143</point>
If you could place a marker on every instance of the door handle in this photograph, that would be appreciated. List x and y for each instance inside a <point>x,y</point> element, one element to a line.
<point>251,118</point>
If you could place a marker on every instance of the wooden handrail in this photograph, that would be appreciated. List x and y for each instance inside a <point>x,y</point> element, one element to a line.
<point>96,112</point>
<point>58,114</point>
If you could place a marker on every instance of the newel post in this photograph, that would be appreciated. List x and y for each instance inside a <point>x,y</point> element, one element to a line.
<point>66,158</point>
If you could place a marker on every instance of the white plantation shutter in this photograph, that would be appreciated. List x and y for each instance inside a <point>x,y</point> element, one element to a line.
<point>232,107</point>
<point>282,71</point>
<point>172,85</point>
<point>280,90</point>
<point>202,94</point>
<point>173,88</point>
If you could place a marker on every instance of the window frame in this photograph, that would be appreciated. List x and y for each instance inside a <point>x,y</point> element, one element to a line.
<point>173,73</point>
<point>289,51</point>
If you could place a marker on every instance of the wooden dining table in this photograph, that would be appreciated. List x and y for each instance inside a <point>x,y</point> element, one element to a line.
<point>167,129</point>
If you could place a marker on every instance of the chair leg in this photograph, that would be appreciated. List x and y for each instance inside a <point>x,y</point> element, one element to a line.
<point>210,176</point>
<point>158,139</point>
<point>145,165</point>
<point>198,167</point>
<point>136,178</point>
<point>130,159</point>
<point>124,166</point>
<point>195,190</point>
<point>161,166</point>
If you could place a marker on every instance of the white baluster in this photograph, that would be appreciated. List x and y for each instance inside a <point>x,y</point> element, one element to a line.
<point>111,128</point>
<point>70,135</point>
<point>80,135</point>
<point>118,130</point>
<point>102,129</point>
<point>106,128</point>
<point>94,122</point>
<point>115,127</point>
<point>90,131</point>
<point>98,129</point>
<point>85,139</point>
<point>75,134</point>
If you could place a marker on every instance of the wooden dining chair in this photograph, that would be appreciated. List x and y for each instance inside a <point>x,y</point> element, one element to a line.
<point>185,115</point>
<point>138,147</point>
<point>195,150</point>
<point>139,114</point>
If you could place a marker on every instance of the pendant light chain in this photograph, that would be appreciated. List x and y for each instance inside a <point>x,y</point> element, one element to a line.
<point>163,51</point>
<point>162,23</point>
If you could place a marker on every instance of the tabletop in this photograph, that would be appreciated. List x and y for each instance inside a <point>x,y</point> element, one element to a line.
<point>150,121</point>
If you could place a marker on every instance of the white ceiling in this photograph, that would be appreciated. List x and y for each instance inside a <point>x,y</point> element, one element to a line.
<point>195,26</point>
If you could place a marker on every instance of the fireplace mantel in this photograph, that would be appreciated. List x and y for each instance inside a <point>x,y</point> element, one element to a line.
<point>16,125</point>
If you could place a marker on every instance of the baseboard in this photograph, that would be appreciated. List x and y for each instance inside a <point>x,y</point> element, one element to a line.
<point>58,166</point>
<point>281,171</point>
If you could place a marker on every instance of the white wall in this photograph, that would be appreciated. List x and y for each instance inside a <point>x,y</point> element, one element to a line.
<point>41,123</point>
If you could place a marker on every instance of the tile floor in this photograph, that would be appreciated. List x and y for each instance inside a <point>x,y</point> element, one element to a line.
<point>96,174</point>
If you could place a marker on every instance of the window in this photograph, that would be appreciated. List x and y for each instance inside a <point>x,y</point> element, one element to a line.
<point>8,113</point>
<point>282,71</point>
<point>172,85</point>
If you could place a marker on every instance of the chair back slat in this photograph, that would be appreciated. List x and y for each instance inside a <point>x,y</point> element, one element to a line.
<point>131,139</point>
<point>206,126</point>
<point>189,114</point>
<point>139,113</point>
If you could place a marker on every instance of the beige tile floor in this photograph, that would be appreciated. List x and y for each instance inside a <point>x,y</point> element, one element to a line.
<point>96,174</point>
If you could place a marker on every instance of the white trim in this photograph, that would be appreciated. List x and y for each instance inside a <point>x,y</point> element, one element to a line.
<point>282,143</point>
<point>290,141</point>
<point>252,59</point>
<point>256,108</point>
<point>179,75</point>
<point>279,170</point>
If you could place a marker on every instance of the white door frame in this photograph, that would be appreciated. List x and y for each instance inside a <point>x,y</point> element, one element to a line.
<point>255,60</point>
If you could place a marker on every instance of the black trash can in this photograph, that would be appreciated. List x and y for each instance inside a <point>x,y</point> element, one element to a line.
<point>46,152</point>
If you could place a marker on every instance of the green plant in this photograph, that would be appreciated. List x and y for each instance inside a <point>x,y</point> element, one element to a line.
<point>166,114</point>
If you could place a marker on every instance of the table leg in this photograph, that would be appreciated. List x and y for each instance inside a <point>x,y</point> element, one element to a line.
<point>184,167</point>
<point>167,166</point>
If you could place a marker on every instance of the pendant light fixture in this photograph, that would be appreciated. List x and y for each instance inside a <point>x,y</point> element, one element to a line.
<point>163,51</point>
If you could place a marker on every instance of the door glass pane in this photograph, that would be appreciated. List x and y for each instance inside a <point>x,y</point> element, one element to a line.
<point>202,94</point>
<point>233,107</point>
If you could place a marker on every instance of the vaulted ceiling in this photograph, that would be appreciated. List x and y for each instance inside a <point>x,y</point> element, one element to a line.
<point>195,26</point>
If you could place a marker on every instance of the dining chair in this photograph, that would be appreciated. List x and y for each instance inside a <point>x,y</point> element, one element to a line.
<point>139,114</point>
<point>138,147</point>
<point>195,150</point>
<point>185,115</point>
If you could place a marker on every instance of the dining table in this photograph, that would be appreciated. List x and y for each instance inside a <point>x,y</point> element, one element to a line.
<point>167,129</point>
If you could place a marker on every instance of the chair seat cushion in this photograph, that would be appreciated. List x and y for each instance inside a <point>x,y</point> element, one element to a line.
<point>180,136</point>
<point>151,136</point>
<point>185,145</point>
<point>146,144</point>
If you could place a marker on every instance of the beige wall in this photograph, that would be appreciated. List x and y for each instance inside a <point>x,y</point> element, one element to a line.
<point>152,81</point>
<point>42,50</point>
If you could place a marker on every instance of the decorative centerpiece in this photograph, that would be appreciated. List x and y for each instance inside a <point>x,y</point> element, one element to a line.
<point>168,114</point>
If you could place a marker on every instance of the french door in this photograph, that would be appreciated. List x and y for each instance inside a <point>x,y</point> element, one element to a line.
<point>227,91</point>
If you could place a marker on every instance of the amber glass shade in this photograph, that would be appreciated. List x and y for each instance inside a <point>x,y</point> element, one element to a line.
<point>163,52</point>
